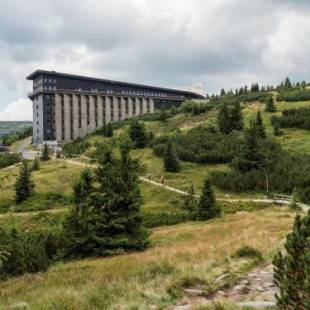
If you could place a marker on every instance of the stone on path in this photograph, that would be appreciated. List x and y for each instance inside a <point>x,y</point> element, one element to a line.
<point>256,304</point>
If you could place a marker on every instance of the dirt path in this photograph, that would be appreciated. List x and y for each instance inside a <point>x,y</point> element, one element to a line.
<point>255,289</point>
<point>232,200</point>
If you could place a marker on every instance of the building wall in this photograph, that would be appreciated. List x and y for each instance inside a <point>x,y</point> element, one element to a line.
<point>75,115</point>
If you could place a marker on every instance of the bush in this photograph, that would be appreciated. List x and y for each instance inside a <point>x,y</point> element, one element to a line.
<point>27,251</point>
<point>298,118</point>
<point>77,146</point>
<point>247,251</point>
<point>162,218</point>
<point>8,159</point>
<point>295,95</point>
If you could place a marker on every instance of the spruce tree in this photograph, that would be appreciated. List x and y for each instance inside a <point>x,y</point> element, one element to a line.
<point>112,222</point>
<point>223,119</point>
<point>171,161</point>
<point>36,164</point>
<point>137,134</point>
<point>259,126</point>
<point>292,268</point>
<point>23,186</point>
<point>190,203</point>
<point>207,207</point>
<point>236,118</point>
<point>270,106</point>
<point>108,130</point>
<point>45,153</point>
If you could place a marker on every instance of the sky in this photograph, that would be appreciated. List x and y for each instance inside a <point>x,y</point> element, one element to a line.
<point>171,43</point>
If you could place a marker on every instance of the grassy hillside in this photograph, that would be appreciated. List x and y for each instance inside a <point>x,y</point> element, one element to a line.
<point>180,256</point>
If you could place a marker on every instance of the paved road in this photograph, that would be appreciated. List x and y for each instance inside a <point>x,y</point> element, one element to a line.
<point>23,148</point>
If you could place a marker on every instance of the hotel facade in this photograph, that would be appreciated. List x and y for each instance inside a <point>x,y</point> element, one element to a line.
<point>67,106</point>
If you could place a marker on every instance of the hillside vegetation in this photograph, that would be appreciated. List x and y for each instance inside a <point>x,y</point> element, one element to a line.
<point>249,143</point>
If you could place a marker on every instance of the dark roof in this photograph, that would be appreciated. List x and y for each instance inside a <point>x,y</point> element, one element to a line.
<point>35,74</point>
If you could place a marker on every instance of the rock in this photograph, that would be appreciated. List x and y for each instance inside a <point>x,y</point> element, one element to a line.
<point>182,307</point>
<point>19,305</point>
<point>267,296</point>
<point>221,293</point>
<point>269,284</point>
<point>222,277</point>
<point>256,304</point>
<point>245,282</point>
<point>193,292</point>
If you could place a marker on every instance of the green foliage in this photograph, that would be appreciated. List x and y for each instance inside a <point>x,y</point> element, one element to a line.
<point>171,161</point>
<point>201,145</point>
<point>36,164</point>
<point>292,268</point>
<point>77,146</point>
<point>27,251</point>
<point>108,130</point>
<point>190,202</point>
<point>207,207</point>
<point>23,186</point>
<point>8,159</point>
<point>248,251</point>
<point>230,119</point>
<point>107,218</point>
<point>137,134</point>
<point>19,135</point>
<point>259,126</point>
<point>195,108</point>
<point>45,153</point>
<point>293,118</point>
<point>294,96</point>
<point>270,106</point>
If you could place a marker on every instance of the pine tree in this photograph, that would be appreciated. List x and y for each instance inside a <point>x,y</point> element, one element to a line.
<point>249,156</point>
<point>259,126</point>
<point>108,130</point>
<point>223,119</point>
<point>270,106</point>
<point>45,153</point>
<point>287,83</point>
<point>190,203</point>
<point>163,116</point>
<point>236,119</point>
<point>207,207</point>
<point>36,164</point>
<point>112,222</point>
<point>137,134</point>
<point>23,186</point>
<point>292,268</point>
<point>171,161</point>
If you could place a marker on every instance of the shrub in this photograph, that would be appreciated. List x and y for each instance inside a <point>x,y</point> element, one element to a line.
<point>8,159</point>
<point>248,251</point>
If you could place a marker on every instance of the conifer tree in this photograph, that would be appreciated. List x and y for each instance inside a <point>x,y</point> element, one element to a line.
<point>108,130</point>
<point>259,126</point>
<point>137,134</point>
<point>171,161</point>
<point>223,119</point>
<point>112,222</point>
<point>45,153</point>
<point>270,106</point>
<point>23,186</point>
<point>36,164</point>
<point>207,207</point>
<point>190,203</point>
<point>236,118</point>
<point>292,268</point>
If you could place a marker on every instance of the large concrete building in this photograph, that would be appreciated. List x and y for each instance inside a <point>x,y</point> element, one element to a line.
<point>67,106</point>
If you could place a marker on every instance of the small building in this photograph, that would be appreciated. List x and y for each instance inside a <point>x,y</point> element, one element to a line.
<point>67,106</point>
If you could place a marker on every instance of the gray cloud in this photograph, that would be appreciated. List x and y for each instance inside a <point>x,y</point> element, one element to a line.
<point>221,43</point>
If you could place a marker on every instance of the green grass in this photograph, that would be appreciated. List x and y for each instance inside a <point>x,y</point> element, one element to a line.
<point>53,186</point>
<point>294,140</point>
<point>180,255</point>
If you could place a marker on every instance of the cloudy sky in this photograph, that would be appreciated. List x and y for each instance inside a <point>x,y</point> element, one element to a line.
<point>221,43</point>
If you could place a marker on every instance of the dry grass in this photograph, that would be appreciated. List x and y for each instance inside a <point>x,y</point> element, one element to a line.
<point>179,254</point>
